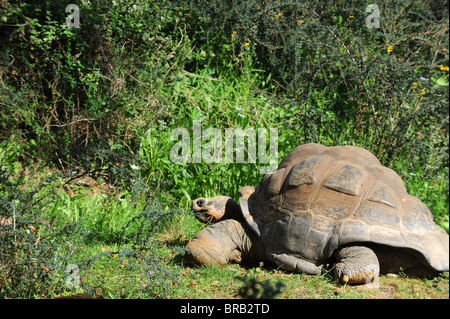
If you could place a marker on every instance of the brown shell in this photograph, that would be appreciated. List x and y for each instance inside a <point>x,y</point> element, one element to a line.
<point>322,197</point>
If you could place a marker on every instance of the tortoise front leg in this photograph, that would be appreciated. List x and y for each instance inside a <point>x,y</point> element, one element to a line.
<point>216,244</point>
<point>356,265</point>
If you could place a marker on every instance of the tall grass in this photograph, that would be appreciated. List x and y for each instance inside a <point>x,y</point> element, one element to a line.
<point>218,100</point>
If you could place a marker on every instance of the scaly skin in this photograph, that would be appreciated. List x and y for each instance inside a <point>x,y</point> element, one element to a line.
<point>356,265</point>
<point>228,240</point>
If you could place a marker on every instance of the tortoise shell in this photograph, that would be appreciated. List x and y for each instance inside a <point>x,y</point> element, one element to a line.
<point>321,198</point>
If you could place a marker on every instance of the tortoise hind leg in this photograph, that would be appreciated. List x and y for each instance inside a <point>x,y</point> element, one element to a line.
<point>356,265</point>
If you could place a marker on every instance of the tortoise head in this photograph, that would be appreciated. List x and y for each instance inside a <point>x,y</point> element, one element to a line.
<point>215,209</point>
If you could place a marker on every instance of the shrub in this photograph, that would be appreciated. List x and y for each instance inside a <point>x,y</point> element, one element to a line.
<point>29,245</point>
<point>340,82</point>
<point>68,88</point>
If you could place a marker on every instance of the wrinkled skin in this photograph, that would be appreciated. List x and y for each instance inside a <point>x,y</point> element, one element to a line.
<point>230,239</point>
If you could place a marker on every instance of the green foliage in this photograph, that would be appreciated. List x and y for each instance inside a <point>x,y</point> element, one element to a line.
<point>72,87</point>
<point>43,234</point>
<point>343,83</point>
<point>255,289</point>
<point>223,102</point>
<point>317,75</point>
<point>135,71</point>
<point>27,243</point>
<point>11,152</point>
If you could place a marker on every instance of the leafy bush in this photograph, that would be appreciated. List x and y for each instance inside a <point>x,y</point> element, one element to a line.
<point>342,83</point>
<point>72,87</point>
<point>28,243</point>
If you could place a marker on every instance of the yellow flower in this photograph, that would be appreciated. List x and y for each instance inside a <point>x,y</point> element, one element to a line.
<point>247,44</point>
<point>444,68</point>
<point>234,34</point>
<point>390,49</point>
<point>279,15</point>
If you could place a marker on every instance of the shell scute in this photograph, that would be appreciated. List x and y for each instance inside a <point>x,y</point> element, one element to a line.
<point>381,193</point>
<point>347,179</point>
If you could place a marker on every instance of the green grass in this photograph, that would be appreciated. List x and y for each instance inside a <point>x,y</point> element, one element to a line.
<point>434,193</point>
<point>218,100</point>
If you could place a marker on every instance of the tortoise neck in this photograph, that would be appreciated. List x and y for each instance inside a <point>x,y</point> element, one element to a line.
<point>232,211</point>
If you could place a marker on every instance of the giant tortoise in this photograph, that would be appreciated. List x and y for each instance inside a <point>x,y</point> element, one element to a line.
<point>324,206</point>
